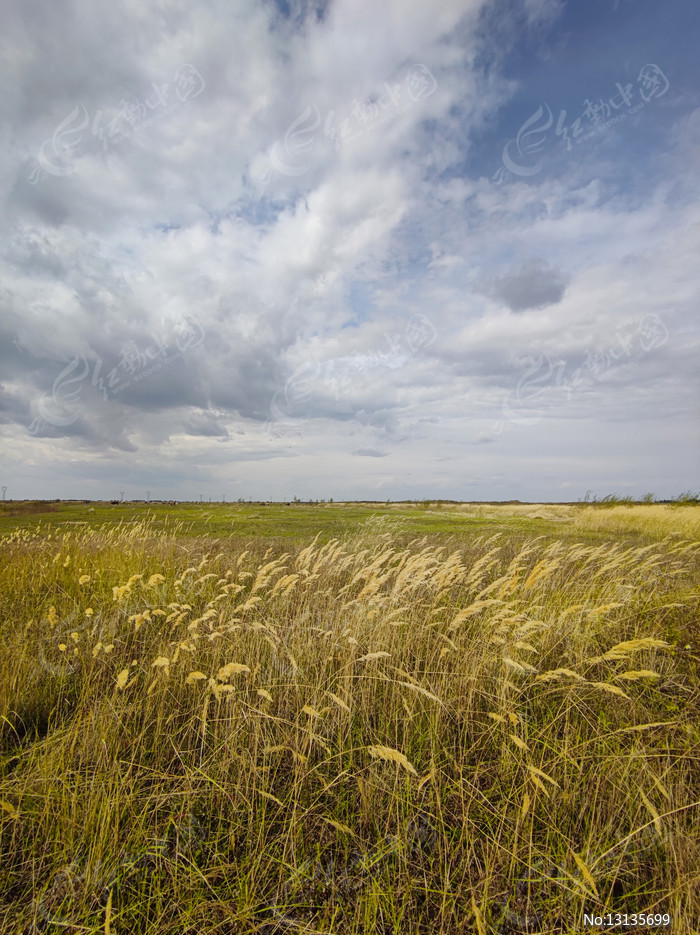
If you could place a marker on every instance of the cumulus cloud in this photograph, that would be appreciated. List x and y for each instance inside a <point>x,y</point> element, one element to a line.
<point>532,284</point>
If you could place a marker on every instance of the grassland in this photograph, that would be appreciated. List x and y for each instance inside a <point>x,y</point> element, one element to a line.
<point>348,718</point>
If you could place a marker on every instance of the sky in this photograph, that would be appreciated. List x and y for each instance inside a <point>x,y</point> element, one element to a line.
<point>350,249</point>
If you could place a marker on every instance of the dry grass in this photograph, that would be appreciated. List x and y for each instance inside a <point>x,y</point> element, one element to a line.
<point>351,738</point>
<point>552,512</point>
<point>656,519</point>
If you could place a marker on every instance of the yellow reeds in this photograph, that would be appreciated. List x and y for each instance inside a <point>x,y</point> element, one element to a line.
<point>453,681</point>
<point>473,609</point>
<point>391,755</point>
<point>541,572</point>
<point>380,654</point>
<point>555,674</point>
<point>624,649</point>
<point>480,569</point>
<point>264,574</point>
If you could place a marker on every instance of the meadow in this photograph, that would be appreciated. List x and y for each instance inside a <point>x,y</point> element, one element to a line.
<point>348,718</point>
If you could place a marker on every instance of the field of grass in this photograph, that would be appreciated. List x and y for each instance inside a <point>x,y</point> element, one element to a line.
<point>281,525</point>
<point>348,718</point>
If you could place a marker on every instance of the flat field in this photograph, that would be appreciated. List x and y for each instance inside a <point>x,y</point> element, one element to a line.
<point>349,718</point>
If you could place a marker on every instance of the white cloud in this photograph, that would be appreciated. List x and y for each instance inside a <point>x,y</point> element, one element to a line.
<point>380,308</point>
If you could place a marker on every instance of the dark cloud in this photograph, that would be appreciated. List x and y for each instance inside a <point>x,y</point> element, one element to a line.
<point>532,284</point>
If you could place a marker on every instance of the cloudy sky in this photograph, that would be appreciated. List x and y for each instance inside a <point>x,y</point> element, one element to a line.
<point>352,249</point>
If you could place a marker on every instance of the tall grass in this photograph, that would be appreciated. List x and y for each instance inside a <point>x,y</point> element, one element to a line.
<point>356,737</point>
<point>655,520</point>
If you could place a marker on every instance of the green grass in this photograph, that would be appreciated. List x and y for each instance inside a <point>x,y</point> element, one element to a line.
<point>278,523</point>
<point>297,523</point>
<point>398,750</point>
